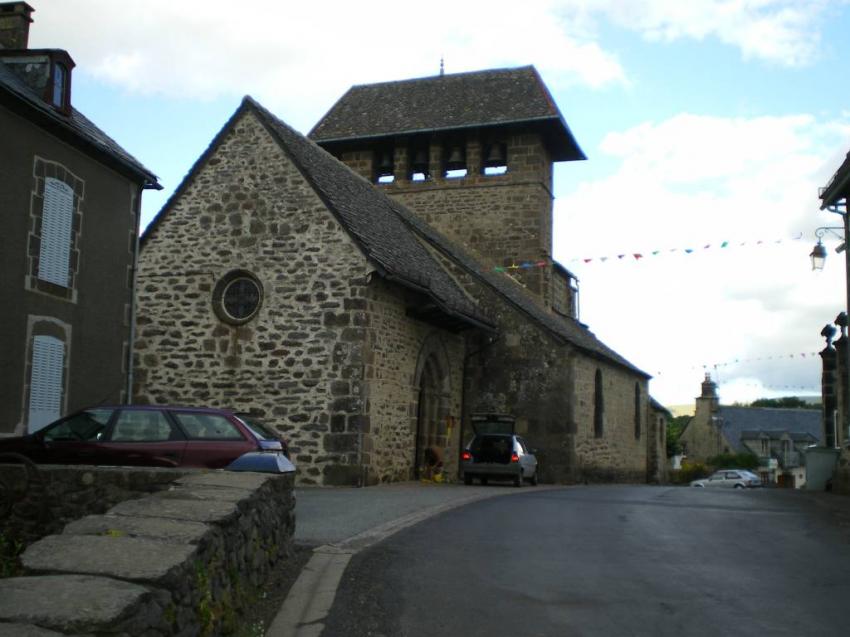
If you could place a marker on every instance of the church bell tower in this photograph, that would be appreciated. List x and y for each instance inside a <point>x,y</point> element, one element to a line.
<point>472,155</point>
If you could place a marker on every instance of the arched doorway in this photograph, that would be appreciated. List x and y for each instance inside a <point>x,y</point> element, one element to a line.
<point>432,404</point>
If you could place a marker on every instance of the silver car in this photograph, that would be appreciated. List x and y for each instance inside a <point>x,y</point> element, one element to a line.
<point>733,478</point>
<point>497,452</point>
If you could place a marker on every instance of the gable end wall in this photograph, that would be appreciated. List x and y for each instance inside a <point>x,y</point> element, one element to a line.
<point>330,360</point>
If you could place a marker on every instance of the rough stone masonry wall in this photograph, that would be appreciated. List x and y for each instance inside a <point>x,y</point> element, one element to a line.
<point>37,500</point>
<point>394,346</point>
<point>526,373</point>
<point>181,562</point>
<point>702,438</point>
<point>298,363</point>
<point>616,456</point>
<point>548,385</point>
<point>522,370</point>
<point>504,219</point>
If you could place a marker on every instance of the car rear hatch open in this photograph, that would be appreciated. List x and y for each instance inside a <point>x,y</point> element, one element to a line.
<point>493,442</point>
<point>493,423</point>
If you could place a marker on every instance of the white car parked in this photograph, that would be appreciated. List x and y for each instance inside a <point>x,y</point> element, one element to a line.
<point>497,452</point>
<point>734,478</point>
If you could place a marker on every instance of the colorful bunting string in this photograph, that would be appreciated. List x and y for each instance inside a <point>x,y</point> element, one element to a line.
<point>738,361</point>
<point>525,265</point>
<point>809,388</point>
<point>779,358</point>
<point>723,244</point>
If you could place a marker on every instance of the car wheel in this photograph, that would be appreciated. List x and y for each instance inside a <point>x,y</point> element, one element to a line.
<point>467,479</point>
<point>534,478</point>
<point>739,486</point>
<point>484,481</point>
<point>518,479</point>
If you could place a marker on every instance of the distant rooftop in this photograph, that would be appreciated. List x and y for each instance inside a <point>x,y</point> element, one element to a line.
<point>749,422</point>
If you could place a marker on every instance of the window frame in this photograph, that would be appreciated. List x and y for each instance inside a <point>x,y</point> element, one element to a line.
<point>57,236</point>
<point>220,292</point>
<point>46,384</point>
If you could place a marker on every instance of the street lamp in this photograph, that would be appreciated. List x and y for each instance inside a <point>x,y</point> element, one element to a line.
<point>818,253</point>
<point>818,256</point>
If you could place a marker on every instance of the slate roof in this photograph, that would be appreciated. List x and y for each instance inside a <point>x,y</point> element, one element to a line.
<point>449,102</point>
<point>839,185</point>
<point>364,211</point>
<point>75,128</point>
<point>749,422</point>
<point>657,406</point>
<point>561,327</point>
<point>387,233</point>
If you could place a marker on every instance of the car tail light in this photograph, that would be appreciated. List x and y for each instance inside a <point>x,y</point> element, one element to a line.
<point>514,457</point>
<point>466,456</point>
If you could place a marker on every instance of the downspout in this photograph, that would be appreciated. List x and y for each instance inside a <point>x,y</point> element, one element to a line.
<point>132,335</point>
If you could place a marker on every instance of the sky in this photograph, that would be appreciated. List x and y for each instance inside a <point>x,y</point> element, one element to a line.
<point>709,127</point>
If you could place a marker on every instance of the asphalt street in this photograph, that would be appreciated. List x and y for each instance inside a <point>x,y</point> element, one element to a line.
<point>337,515</point>
<point>612,560</point>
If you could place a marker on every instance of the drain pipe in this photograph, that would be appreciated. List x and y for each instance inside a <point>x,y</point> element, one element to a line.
<point>137,205</point>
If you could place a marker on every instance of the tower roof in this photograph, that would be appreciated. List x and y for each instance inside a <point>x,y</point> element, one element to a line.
<point>478,99</point>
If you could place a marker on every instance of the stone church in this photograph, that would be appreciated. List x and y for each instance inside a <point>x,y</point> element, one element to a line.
<point>367,289</point>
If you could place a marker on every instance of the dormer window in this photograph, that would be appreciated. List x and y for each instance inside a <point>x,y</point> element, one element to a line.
<point>47,72</point>
<point>58,91</point>
<point>60,85</point>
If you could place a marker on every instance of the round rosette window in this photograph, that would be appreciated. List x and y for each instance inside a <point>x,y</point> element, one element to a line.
<point>237,297</point>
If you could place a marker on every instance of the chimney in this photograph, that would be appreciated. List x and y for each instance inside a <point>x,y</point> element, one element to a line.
<point>709,387</point>
<point>14,24</point>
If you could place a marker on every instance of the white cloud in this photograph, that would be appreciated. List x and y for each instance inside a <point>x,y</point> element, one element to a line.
<point>780,31</point>
<point>310,53</point>
<point>692,181</point>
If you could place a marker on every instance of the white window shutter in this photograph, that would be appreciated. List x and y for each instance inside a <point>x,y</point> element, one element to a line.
<point>48,361</point>
<point>56,218</point>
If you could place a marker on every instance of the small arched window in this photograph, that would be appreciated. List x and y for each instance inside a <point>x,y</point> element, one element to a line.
<point>637,411</point>
<point>598,406</point>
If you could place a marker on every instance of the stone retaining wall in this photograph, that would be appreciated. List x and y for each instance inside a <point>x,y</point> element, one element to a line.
<point>36,501</point>
<point>184,561</point>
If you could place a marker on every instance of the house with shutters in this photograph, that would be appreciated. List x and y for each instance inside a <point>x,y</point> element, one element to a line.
<point>69,199</point>
<point>778,437</point>
<point>366,289</point>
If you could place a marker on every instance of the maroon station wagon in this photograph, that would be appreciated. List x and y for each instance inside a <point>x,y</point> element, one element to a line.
<point>154,436</point>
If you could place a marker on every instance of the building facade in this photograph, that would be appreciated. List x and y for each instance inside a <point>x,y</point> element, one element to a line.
<point>778,437</point>
<point>70,198</point>
<point>283,282</point>
<point>836,392</point>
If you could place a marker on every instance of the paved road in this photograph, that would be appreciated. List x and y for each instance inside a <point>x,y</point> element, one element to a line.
<point>607,561</point>
<point>336,515</point>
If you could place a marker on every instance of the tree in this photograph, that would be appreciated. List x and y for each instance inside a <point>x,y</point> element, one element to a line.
<point>786,402</point>
<point>675,427</point>
<point>734,461</point>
